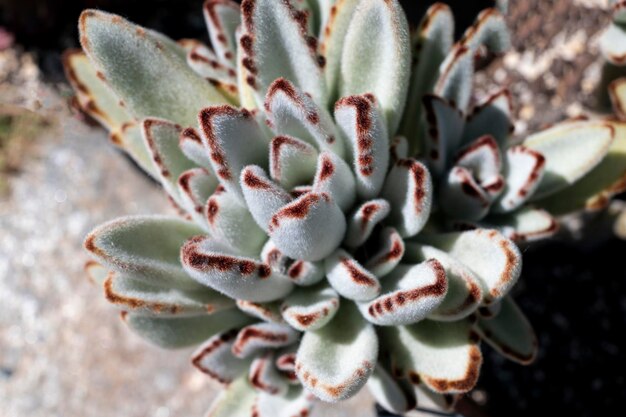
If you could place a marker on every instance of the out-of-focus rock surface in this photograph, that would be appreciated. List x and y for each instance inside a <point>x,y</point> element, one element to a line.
<point>63,350</point>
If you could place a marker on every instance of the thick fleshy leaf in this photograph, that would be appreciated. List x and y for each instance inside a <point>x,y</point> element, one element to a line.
<point>409,294</point>
<point>399,148</point>
<point>364,219</point>
<point>307,309</point>
<point>127,244</point>
<point>187,44</point>
<point>408,189</point>
<point>462,197</point>
<point>276,44</point>
<point>191,145</point>
<point>210,264</point>
<point>495,260</point>
<point>613,44</point>
<point>232,224</point>
<point>482,158</point>
<point>618,10</point>
<point>292,112</point>
<point>96,273</point>
<point>309,228</point>
<point>348,277</point>
<point>94,96</point>
<point>295,403</point>
<point>571,149</point>
<point>335,361</point>
<point>332,39</point>
<point>178,332</point>
<point>246,83</point>
<point>445,126</point>
<point>595,190</point>
<point>524,225</point>
<point>264,376</point>
<point>430,400</point>
<point>334,177</point>
<point>457,73</point>
<point>237,400</point>
<point>389,255</point>
<point>361,123</point>
<point>300,272</point>
<point>161,137</point>
<point>214,358</point>
<point>510,333</point>
<point>376,57</point>
<point>286,363</point>
<point>222,18</point>
<point>491,117</point>
<point>445,356</point>
<point>137,297</point>
<point>234,140</point>
<point>431,43</point>
<point>97,99</point>
<point>263,197</point>
<point>151,78</point>
<point>465,291</point>
<point>204,62</point>
<point>489,311</point>
<point>389,393</point>
<point>490,30</point>
<point>523,172</point>
<point>474,181</point>
<point>269,312</point>
<point>292,161</point>
<point>194,188</point>
<point>256,337</point>
<point>617,93</point>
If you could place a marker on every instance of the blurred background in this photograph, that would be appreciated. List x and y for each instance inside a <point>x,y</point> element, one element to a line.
<point>64,351</point>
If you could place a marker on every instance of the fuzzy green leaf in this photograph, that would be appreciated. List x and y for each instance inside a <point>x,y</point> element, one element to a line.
<point>140,298</point>
<point>214,265</point>
<point>376,57</point>
<point>510,333</point>
<point>151,78</point>
<point>275,44</point>
<point>571,149</point>
<point>595,189</point>
<point>145,246</point>
<point>179,332</point>
<point>431,43</point>
<point>465,291</point>
<point>310,308</point>
<point>445,356</point>
<point>495,260</point>
<point>235,401</point>
<point>334,362</point>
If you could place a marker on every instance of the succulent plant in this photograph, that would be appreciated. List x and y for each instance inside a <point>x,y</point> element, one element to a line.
<point>307,262</point>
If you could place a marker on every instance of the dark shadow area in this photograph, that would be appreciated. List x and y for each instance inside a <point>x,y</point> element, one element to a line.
<point>576,301</point>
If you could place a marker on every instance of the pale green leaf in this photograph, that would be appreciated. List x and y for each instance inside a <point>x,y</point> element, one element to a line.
<point>334,362</point>
<point>510,333</point>
<point>147,247</point>
<point>595,189</point>
<point>571,149</point>
<point>376,57</point>
<point>151,78</point>
<point>444,356</point>
<point>179,332</point>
